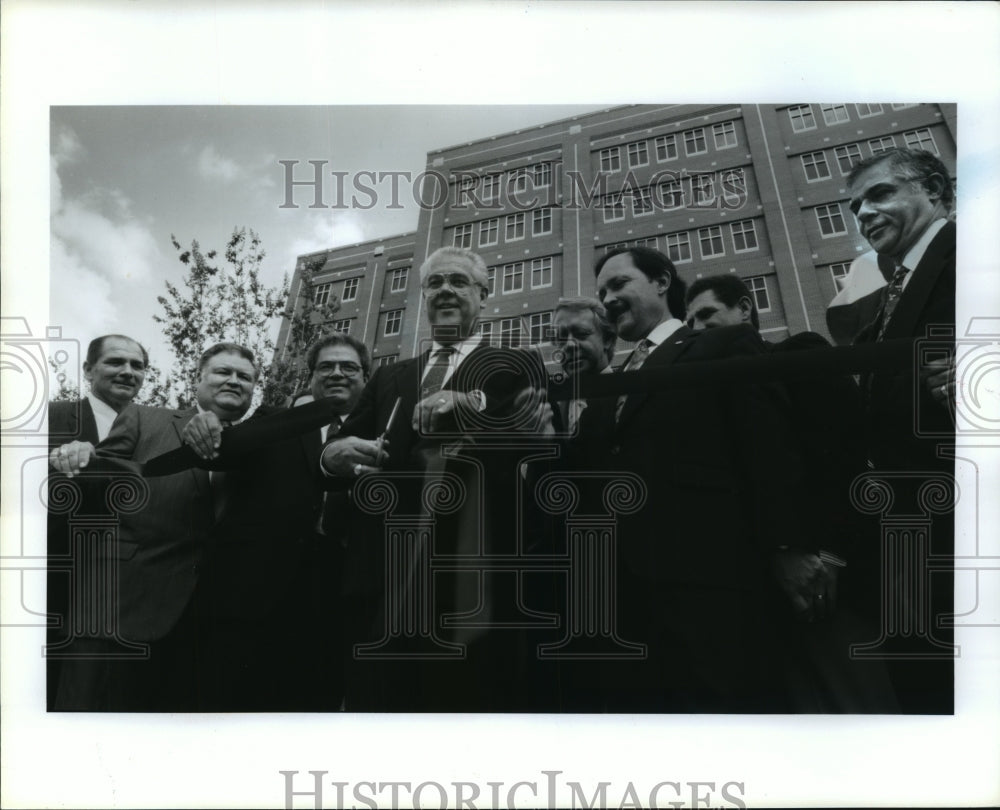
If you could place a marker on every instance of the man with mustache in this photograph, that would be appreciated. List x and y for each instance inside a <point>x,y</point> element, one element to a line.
<point>158,550</point>
<point>902,199</point>
<point>454,406</point>
<point>273,588</point>
<point>718,464</point>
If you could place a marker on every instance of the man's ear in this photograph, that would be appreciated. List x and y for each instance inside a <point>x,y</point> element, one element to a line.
<point>88,371</point>
<point>483,295</point>
<point>663,284</point>
<point>934,186</point>
<point>746,307</point>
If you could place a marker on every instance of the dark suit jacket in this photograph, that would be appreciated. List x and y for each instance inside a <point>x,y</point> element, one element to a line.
<point>159,547</point>
<point>718,463</point>
<point>71,421</point>
<point>905,426</point>
<point>274,504</point>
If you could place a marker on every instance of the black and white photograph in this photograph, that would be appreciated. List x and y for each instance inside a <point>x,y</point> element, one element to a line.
<point>382,434</point>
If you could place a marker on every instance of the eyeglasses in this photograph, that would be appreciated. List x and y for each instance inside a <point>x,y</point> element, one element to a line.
<point>348,369</point>
<point>457,281</point>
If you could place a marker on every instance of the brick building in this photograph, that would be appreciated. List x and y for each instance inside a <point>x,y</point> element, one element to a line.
<point>756,190</point>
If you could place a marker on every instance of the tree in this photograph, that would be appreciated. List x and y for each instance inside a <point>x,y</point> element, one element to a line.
<point>216,303</point>
<point>308,320</point>
<point>68,391</point>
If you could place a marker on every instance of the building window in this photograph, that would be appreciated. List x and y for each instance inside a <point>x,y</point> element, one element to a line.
<point>902,106</point>
<point>514,229</point>
<point>513,277</point>
<point>758,289</point>
<point>839,274</point>
<point>615,246</point>
<point>834,114</point>
<point>541,272</point>
<point>542,175</point>
<point>649,241</point>
<point>540,327</point>
<point>611,160</point>
<point>694,142</point>
<point>679,247</point>
<point>393,323</point>
<point>815,166</point>
<point>710,240</point>
<point>879,145</point>
<point>921,139</point>
<point>510,332</point>
<point>321,294</point>
<point>386,360</point>
<point>666,147</point>
<point>868,110</point>
<point>464,191</point>
<point>489,232</point>
<point>642,202</point>
<point>638,154</point>
<point>491,281</point>
<point>518,181</point>
<point>541,221</point>
<point>702,190</point>
<point>801,118</point>
<point>491,188</point>
<point>847,156</point>
<point>725,135</point>
<point>342,326</point>
<point>671,194</point>
<point>462,236</point>
<point>614,207</point>
<point>831,220</point>
<point>486,330</point>
<point>399,279</point>
<point>744,235</point>
<point>351,289</point>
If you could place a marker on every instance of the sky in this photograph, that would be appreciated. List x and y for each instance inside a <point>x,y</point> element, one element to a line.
<point>125,179</point>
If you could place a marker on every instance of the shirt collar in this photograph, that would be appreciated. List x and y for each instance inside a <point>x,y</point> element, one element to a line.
<point>104,415</point>
<point>462,349</point>
<point>663,330</point>
<point>916,253</point>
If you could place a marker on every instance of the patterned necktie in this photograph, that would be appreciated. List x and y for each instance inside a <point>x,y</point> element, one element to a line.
<point>634,363</point>
<point>333,428</point>
<point>893,291</point>
<point>436,370</point>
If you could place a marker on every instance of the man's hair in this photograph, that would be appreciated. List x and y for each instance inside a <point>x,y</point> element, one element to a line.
<point>729,289</point>
<point>595,308</point>
<point>338,339</point>
<point>227,348</point>
<point>911,164</point>
<point>96,347</point>
<point>655,265</point>
<point>479,271</point>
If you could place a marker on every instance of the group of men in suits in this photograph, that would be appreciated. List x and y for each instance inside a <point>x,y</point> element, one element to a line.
<point>359,566</point>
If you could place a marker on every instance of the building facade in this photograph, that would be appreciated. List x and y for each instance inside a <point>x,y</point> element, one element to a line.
<point>755,190</point>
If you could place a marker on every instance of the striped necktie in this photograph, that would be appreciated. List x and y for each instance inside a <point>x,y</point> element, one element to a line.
<point>634,363</point>
<point>436,370</point>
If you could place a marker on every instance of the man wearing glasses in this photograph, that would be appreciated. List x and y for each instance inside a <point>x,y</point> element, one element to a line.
<point>274,583</point>
<point>442,413</point>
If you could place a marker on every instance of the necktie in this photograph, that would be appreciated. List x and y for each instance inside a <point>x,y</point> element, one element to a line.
<point>333,429</point>
<point>635,361</point>
<point>436,370</point>
<point>893,291</point>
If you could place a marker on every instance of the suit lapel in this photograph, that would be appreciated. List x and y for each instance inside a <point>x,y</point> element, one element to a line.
<point>87,427</point>
<point>663,355</point>
<point>921,285</point>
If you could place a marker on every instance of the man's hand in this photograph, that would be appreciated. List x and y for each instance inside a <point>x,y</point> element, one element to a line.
<point>939,378</point>
<point>350,456</point>
<point>532,399</point>
<point>72,457</point>
<point>203,434</point>
<point>436,412</point>
<point>809,584</point>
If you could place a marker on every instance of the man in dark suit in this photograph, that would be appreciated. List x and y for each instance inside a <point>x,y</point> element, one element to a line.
<point>719,466</point>
<point>115,366</point>
<point>460,387</point>
<point>902,199</point>
<point>274,584</point>
<point>157,554</point>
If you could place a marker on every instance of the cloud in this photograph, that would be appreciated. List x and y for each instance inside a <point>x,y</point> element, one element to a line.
<point>79,298</point>
<point>327,229</point>
<point>66,145</point>
<point>213,166</point>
